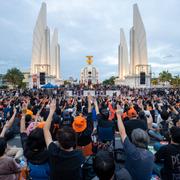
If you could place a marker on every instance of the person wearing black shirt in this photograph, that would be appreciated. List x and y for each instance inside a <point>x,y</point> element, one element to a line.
<point>34,150</point>
<point>139,162</point>
<point>134,123</point>
<point>170,154</point>
<point>103,119</point>
<point>65,162</point>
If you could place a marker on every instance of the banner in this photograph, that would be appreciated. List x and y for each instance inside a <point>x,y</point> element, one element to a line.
<point>87,92</point>
<point>69,93</point>
<point>112,93</point>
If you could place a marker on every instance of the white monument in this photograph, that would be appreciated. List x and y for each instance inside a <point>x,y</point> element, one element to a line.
<point>55,56</point>
<point>138,45</point>
<point>89,74</point>
<point>45,56</point>
<point>123,64</point>
<point>139,71</point>
<point>41,43</point>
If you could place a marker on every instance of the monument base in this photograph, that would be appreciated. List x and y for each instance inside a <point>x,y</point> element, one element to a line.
<point>133,81</point>
<point>34,81</point>
<point>121,82</point>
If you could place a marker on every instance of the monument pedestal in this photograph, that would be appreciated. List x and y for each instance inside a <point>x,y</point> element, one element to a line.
<point>140,79</point>
<point>34,80</point>
<point>120,82</point>
<point>134,81</point>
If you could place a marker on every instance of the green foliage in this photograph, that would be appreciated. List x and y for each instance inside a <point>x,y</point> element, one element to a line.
<point>175,81</point>
<point>22,85</point>
<point>66,82</point>
<point>109,81</point>
<point>154,81</point>
<point>4,87</point>
<point>165,76</point>
<point>14,77</point>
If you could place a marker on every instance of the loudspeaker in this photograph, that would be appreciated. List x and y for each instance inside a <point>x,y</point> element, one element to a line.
<point>142,78</point>
<point>42,78</point>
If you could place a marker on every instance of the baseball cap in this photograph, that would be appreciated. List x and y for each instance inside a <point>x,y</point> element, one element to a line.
<point>131,113</point>
<point>79,124</point>
<point>29,112</point>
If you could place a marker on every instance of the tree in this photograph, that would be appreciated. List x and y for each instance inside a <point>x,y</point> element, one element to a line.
<point>4,87</point>
<point>109,81</point>
<point>154,81</point>
<point>66,82</point>
<point>165,76</point>
<point>175,81</point>
<point>14,77</point>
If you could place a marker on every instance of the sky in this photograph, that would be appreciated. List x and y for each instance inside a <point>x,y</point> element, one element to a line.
<point>90,27</point>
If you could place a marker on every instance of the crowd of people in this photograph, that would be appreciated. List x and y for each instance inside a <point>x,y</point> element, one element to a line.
<point>131,136</point>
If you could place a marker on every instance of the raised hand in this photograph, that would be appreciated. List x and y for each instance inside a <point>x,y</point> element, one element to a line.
<point>119,110</point>
<point>121,127</point>
<point>39,111</point>
<point>95,101</point>
<point>96,106</point>
<point>53,105</point>
<point>14,110</point>
<point>89,97</point>
<point>24,108</point>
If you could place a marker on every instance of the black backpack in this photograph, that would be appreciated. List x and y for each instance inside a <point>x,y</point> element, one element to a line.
<point>87,169</point>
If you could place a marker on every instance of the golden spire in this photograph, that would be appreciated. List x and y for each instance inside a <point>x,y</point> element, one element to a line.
<point>89,60</point>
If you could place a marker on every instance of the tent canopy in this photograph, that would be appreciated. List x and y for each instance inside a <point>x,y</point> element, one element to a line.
<point>49,86</point>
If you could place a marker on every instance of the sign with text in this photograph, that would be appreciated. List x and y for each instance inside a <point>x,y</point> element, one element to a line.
<point>69,93</point>
<point>87,92</point>
<point>112,93</point>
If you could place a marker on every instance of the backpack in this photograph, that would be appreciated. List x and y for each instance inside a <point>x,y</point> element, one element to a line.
<point>39,171</point>
<point>87,169</point>
<point>66,122</point>
<point>119,153</point>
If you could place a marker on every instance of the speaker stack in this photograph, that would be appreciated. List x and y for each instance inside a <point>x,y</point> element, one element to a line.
<point>142,78</point>
<point>42,78</point>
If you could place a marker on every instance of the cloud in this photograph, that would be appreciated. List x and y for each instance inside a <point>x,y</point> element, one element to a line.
<point>168,56</point>
<point>91,27</point>
<point>158,50</point>
<point>109,74</point>
<point>164,54</point>
<point>109,60</point>
<point>74,46</point>
<point>173,68</point>
<point>6,22</point>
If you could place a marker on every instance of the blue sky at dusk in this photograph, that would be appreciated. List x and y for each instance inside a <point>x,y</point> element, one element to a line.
<point>90,27</point>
